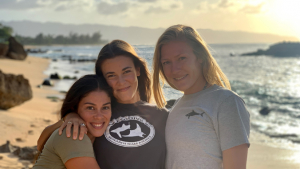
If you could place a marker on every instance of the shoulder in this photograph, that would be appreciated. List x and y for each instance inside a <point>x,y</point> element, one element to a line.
<point>222,94</point>
<point>152,107</point>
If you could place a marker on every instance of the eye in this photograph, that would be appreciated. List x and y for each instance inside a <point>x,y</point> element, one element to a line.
<point>166,62</point>
<point>110,76</point>
<point>106,108</point>
<point>127,71</point>
<point>90,108</point>
<point>182,58</point>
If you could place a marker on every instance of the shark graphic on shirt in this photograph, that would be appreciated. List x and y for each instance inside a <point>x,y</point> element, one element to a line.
<point>193,113</point>
<point>120,129</point>
<point>136,132</point>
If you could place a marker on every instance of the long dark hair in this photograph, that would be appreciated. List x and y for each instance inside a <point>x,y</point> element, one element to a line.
<point>80,89</point>
<point>117,48</point>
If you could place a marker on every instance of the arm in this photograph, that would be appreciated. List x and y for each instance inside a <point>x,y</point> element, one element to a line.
<point>71,117</point>
<point>46,134</point>
<point>235,157</point>
<point>82,162</point>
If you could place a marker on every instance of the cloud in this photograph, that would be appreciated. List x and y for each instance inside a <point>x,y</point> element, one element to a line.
<point>156,10</point>
<point>252,9</point>
<point>111,9</point>
<point>225,4</point>
<point>19,5</point>
<point>147,0</point>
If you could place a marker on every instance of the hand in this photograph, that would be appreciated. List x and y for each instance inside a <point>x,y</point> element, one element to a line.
<point>73,119</point>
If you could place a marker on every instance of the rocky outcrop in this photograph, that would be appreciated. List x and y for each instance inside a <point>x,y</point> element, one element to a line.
<point>284,49</point>
<point>14,90</point>
<point>25,153</point>
<point>16,50</point>
<point>3,49</point>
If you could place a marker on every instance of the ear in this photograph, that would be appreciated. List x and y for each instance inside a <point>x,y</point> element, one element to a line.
<point>137,69</point>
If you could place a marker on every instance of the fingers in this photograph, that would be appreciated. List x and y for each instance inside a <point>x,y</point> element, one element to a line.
<point>83,130</point>
<point>75,130</point>
<point>61,128</point>
<point>68,129</point>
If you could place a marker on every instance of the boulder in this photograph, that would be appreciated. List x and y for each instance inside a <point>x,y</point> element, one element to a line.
<point>55,76</point>
<point>8,148</point>
<point>14,90</point>
<point>16,50</point>
<point>3,49</point>
<point>47,82</point>
<point>26,153</point>
<point>265,111</point>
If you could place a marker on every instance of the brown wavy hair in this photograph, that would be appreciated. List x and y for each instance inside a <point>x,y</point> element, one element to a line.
<point>119,47</point>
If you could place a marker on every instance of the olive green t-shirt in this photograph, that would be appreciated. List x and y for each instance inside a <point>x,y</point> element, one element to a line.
<point>59,149</point>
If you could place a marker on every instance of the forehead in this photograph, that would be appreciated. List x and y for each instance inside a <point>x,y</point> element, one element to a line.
<point>117,63</point>
<point>96,97</point>
<point>175,48</point>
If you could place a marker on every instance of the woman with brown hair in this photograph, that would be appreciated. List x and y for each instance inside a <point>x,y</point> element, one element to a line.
<point>135,136</point>
<point>209,126</point>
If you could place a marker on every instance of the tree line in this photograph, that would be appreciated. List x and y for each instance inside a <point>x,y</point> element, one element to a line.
<point>41,39</point>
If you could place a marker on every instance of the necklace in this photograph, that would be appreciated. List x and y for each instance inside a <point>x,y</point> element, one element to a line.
<point>204,86</point>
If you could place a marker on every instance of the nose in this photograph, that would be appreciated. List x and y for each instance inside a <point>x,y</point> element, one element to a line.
<point>121,80</point>
<point>175,67</point>
<point>98,115</point>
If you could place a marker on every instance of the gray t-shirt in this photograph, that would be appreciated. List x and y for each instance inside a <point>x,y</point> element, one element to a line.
<point>202,125</point>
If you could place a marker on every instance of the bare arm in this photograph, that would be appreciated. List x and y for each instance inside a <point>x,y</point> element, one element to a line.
<point>46,134</point>
<point>235,157</point>
<point>82,162</point>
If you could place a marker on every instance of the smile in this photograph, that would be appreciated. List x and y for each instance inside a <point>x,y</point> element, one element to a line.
<point>123,89</point>
<point>97,125</point>
<point>179,78</point>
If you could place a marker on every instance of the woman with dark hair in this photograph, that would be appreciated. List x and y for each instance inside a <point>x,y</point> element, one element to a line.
<point>209,126</point>
<point>89,97</point>
<point>135,136</point>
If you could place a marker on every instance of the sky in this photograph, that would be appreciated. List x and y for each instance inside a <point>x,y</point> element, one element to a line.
<point>281,17</point>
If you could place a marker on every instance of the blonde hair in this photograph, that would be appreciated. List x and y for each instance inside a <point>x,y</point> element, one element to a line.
<point>212,73</point>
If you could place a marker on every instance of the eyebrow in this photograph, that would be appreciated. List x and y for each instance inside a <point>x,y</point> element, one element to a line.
<point>122,70</point>
<point>180,54</point>
<point>95,104</point>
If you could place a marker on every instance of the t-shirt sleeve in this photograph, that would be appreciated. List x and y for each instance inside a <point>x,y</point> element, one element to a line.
<point>233,123</point>
<point>67,148</point>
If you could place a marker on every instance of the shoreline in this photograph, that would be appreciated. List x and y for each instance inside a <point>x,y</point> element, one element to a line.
<point>39,112</point>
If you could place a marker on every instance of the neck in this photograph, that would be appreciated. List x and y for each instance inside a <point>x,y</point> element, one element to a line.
<point>134,99</point>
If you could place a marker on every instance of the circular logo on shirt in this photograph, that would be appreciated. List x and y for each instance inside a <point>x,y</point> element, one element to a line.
<point>129,131</point>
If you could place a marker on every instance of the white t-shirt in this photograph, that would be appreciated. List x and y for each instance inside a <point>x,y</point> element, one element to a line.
<point>202,125</point>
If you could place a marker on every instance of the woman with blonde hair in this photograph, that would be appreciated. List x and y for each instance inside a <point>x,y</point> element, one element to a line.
<point>209,126</point>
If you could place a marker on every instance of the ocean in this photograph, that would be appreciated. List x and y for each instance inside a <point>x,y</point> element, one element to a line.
<point>262,81</point>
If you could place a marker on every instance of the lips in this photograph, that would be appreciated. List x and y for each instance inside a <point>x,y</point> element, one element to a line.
<point>180,78</point>
<point>123,89</point>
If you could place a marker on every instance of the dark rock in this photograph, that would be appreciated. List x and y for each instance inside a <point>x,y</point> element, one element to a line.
<point>26,153</point>
<point>283,49</point>
<point>55,76</point>
<point>8,148</point>
<point>69,78</point>
<point>265,111</point>
<point>170,103</point>
<point>32,125</point>
<point>16,50</point>
<point>36,51</point>
<point>47,82</point>
<point>282,135</point>
<point>1,157</point>
<point>14,90</point>
<point>19,140</point>
<point>3,49</point>
<point>76,71</point>
<point>30,132</point>
<point>54,60</point>
<point>47,120</point>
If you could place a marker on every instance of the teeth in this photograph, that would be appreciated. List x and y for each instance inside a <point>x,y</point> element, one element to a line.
<point>98,125</point>
<point>180,78</point>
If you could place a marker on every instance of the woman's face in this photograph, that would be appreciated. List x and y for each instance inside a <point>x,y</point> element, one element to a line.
<point>121,74</point>
<point>181,67</point>
<point>95,110</point>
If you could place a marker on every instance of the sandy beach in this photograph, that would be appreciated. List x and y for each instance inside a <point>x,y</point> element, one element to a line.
<point>27,121</point>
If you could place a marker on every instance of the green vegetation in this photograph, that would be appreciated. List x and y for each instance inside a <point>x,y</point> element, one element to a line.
<point>41,39</point>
